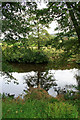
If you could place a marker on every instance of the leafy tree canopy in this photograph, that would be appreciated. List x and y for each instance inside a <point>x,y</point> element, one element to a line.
<point>67,14</point>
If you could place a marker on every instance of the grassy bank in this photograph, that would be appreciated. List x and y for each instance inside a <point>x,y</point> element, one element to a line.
<point>39,108</point>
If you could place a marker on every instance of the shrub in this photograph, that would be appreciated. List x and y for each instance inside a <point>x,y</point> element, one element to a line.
<point>24,55</point>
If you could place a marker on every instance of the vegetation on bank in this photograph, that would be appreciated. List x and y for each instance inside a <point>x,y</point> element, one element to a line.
<point>39,107</point>
<point>57,58</point>
<point>23,55</point>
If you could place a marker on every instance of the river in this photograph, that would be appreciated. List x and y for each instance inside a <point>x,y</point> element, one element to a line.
<point>53,81</point>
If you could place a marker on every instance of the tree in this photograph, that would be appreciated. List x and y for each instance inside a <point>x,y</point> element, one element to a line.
<point>15,24</point>
<point>67,14</point>
<point>74,12</point>
<point>20,20</point>
<point>43,37</point>
<point>36,25</point>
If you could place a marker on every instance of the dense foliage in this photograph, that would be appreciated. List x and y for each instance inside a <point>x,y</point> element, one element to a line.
<point>20,54</point>
<point>67,14</point>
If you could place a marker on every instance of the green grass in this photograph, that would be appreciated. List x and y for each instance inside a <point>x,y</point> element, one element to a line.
<point>12,108</point>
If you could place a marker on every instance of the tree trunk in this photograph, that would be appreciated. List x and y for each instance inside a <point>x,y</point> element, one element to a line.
<point>38,45</point>
<point>75,23</point>
<point>38,39</point>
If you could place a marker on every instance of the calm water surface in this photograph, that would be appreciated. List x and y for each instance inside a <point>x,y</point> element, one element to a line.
<point>28,75</point>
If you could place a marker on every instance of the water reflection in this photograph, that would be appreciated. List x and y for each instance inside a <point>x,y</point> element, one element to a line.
<point>53,81</point>
<point>43,80</point>
<point>78,82</point>
<point>8,77</point>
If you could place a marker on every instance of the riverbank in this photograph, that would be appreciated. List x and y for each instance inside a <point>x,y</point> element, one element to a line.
<point>40,107</point>
<point>57,59</point>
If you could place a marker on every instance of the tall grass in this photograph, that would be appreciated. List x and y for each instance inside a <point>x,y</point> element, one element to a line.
<point>13,108</point>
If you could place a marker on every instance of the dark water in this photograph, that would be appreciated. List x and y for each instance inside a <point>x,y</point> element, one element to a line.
<point>34,75</point>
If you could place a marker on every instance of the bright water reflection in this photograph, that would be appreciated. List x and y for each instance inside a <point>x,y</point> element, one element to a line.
<point>51,81</point>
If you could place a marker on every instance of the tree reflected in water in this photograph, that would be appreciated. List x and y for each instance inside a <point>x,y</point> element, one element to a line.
<point>40,79</point>
<point>78,82</point>
<point>8,77</point>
